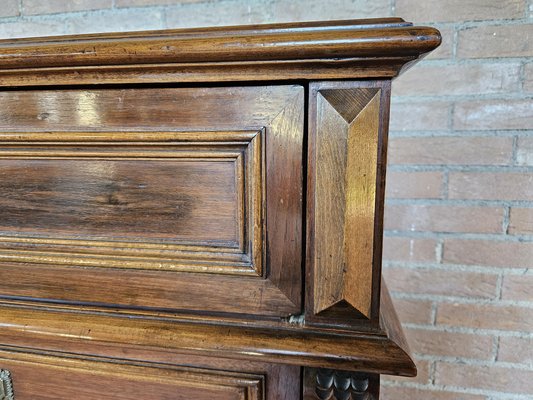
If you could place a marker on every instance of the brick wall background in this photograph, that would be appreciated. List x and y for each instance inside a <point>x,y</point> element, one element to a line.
<point>459,218</point>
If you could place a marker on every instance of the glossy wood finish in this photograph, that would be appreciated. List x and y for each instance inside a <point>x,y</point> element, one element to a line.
<point>347,159</point>
<point>327,384</point>
<point>196,197</point>
<point>56,328</point>
<point>338,49</point>
<point>40,376</point>
<point>153,225</point>
<point>158,187</point>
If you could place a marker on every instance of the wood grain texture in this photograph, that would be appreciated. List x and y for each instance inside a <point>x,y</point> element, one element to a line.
<point>182,201</point>
<point>352,48</point>
<point>59,327</point>
<point>50,377</point>
<point>152,233</point>
<point>173,180</point>
<point>343,222</point>
<point>280,382</point>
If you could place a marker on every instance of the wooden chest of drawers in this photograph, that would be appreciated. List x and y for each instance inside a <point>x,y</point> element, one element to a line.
<point>197,214</point>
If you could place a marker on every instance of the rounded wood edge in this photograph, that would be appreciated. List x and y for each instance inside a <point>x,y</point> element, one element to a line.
<point>91,332</point>
<point>305,45</point>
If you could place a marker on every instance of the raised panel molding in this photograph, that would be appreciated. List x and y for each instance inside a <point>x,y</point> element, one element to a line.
<point>75,199</point>
<point>240,149</point>
<point>103,378</point>
<point>346,129</point>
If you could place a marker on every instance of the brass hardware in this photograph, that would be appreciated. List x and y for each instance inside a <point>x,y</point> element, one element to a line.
<point>6,386</point>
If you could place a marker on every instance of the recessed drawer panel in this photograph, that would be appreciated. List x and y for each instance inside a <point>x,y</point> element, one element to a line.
<point>37,377</point>
<point>175,198</point>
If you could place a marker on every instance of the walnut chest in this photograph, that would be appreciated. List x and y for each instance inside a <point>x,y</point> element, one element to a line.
<point>197,214</point>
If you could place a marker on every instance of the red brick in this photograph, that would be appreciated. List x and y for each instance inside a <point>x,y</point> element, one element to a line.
<point>493,114</point>
<point>488,253</point>
<point>518,287</point>
<point>38,7</point>
<point>403,393</point>
<point>491,377</point>
<point>450,344</point>
<point>412,116</point>
<point>511,40</point>
<point>516,350</point>
<point>524,152</point>
<point>441,282</point>
<point>414,185</point>
<point>413,311</point>
<point>451,150</point>
<point>490,186</point>
<point>456,79</point>
<point>510,318</point>
<point>459,10</point>
<point>444,218</point>
<point>521,221</point>
<point>409,249</point>
<point>10,8</point>
<point>422,377</point>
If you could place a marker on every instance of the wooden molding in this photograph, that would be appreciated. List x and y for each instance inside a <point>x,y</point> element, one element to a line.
<point>239,150</point>
<point>75,329</point>
<point>84,377</point>
<point>314,50</point>
<point>238,154</point>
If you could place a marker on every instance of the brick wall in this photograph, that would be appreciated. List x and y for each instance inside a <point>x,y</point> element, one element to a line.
<point>459,218</point>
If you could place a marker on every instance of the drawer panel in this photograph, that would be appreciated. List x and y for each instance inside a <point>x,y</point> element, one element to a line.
<point>193,203</point>
<point>37,377</point>
<point>138,197</point>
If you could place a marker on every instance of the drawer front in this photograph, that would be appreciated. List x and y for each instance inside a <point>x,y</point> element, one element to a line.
<point>39,377</point>
<point>171,198</point>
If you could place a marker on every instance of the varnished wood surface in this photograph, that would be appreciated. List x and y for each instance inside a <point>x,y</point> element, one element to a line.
<point>379,47</point>
<point>348,127</point>
<point>163,181</point>
<point>194,196</point>
<point>61,328</point>
<point>180,200</point>
<point>41,377</point>
<point>389,321</point>
<point>327,384</point>
<point>281,382</point>
<point>151,236</point>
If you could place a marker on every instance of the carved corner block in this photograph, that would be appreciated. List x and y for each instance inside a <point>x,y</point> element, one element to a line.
<point>346,171</point>
<point>6,385</point>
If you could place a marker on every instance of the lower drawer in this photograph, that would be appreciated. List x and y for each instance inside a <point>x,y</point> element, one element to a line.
<point>47,377</point>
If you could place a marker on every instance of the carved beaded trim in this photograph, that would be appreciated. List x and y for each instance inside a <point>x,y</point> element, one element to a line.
<point>6,386</point>
<point>341,385</point>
